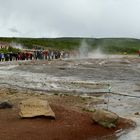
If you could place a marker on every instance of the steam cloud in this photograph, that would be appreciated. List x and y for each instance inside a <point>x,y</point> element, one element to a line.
<point>85,51</point>
<point>16,45</point>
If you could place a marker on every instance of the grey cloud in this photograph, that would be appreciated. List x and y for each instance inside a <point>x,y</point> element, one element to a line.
<point>14,30</point>
<point>56,18</point>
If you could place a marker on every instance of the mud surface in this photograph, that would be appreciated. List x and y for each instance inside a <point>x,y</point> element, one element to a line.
<point>69,125</point>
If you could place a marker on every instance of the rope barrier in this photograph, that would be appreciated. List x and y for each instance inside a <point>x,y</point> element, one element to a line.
<point>133,96</point>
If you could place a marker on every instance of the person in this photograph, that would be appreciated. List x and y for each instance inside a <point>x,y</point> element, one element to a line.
<point>11,56</point>
<point>2,56</point>
<point>139,52</point>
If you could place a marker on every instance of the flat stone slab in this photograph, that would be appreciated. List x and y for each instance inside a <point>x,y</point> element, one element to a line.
<point>35,107</point>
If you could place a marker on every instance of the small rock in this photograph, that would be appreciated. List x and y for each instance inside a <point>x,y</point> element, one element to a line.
<point>35,107</point>
<point>137,113</point>
<point>105,118</point>
<point>105,102</point>
<point>5,104</point>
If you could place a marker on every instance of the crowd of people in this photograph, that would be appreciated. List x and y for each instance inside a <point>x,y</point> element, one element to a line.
<point>33,54</point>
<point>38,55</point>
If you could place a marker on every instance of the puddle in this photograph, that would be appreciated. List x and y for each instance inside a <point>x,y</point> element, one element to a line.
<point>134,134</point>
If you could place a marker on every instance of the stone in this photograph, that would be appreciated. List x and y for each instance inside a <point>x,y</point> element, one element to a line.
<point>105,118</point>
<point>137,113</point>
<point>5,104</point>
<point>34,107</point>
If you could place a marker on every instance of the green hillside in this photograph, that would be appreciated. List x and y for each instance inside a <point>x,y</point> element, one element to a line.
<point>108,45</point>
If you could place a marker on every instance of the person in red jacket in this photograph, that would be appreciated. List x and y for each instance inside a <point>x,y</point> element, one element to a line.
<point>139,52</point>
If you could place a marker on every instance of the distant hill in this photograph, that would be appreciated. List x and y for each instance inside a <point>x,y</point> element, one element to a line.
<point>108,45</point>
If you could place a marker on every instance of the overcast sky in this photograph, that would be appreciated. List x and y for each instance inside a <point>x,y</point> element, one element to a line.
<point>70,18</point>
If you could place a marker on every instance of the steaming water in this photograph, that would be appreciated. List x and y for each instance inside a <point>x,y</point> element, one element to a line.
<point>85,51</point>
<point>16,45</point>
<point>97,54</point>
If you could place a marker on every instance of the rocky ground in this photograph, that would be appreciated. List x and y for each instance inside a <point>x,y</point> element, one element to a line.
<point>73,119</point>
<point>74,88</point>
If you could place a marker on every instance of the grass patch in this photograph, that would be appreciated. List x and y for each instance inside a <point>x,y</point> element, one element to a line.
<point>107,45</point>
